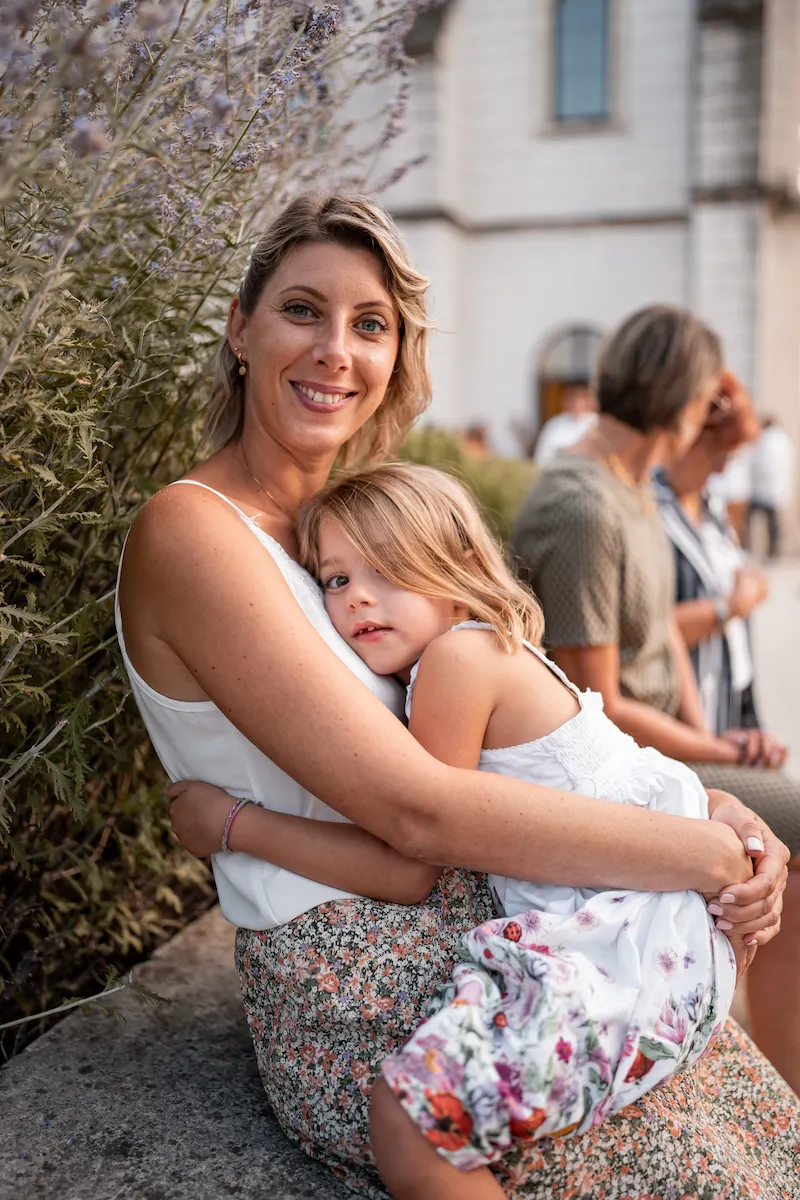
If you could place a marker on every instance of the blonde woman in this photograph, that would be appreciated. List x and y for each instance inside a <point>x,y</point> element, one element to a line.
<point>243,681</point>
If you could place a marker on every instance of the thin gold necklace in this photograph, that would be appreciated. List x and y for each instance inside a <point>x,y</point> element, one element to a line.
<point>618,469</point>
<point>265,490</point>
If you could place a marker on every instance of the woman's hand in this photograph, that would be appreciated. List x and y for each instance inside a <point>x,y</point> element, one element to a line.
<point>743,955</point>
<point>751,588</point>
<point>750,912</point>
<point>756,748</point>
<point>198,814</point>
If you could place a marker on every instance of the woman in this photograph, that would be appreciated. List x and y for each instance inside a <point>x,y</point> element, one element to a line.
<point>591,544</point>
<point>243,681</point>
<point>716,590</point>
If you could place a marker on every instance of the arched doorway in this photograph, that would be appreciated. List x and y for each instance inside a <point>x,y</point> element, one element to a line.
<point>567,361</point>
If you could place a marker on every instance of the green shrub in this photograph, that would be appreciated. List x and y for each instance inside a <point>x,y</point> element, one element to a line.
<point>143,145</point>
<point>498,484</point>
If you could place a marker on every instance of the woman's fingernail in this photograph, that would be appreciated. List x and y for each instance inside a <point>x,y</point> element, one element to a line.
<point>752,942</point>
<point>724,925</point>
<point>716,911</point>
<point>728,898</point>
<point>754,843</point>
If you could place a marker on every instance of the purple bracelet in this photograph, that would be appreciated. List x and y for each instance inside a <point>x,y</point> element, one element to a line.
<point>232,815</point>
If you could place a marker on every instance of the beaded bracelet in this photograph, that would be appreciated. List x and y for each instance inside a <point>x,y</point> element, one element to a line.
<point>232,815</point>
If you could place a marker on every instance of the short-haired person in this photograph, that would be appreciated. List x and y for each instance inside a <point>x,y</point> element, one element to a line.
<point>772,467</point>
<point>590,542</point>
<point>578,415</point>
<point>716,588</point>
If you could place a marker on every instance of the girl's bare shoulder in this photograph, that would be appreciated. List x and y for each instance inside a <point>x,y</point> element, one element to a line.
<point>479,651</point>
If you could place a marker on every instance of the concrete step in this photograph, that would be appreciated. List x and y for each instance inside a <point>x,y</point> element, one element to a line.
<point>166,1104</point>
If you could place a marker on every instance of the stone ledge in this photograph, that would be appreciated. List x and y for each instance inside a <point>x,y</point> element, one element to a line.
<point>165,1105</point>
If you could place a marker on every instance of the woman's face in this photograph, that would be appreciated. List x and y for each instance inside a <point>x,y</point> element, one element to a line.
<point>691,420</point>
<point>320,348</point>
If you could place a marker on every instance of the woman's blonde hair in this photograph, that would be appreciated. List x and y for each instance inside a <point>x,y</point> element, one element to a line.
<point>422,530</point>
<point>350,221</point>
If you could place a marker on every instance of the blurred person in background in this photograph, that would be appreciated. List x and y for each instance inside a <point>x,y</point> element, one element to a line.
<point>716,589</point>
<point>733,487</point>
<point>590,542</point>
<point>578,416</point>
<point>475,441</point>
<point>772,467</point>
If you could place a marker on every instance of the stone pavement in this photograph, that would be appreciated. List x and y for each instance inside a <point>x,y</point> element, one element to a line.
<point>165,1105</point>
<point>776,635</point>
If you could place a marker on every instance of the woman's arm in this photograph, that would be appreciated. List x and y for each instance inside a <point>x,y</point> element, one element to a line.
<point>697,620</point>
<point>597,667</point>
<point>244,641</point>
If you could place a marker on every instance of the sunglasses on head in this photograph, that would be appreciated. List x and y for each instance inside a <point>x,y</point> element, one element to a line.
<point>719,408</point>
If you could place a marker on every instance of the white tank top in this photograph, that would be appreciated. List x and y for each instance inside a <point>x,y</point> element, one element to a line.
<point>194,740</point>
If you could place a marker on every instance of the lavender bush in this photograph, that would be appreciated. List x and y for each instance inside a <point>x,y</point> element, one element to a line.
<point>143,144</point>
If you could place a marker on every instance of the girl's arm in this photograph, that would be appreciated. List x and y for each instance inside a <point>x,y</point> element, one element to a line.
<point>454,696</point>
<point>243,641</point>
<point>337,854</point>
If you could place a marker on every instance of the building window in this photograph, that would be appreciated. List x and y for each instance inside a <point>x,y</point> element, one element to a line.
<point>581,60</point>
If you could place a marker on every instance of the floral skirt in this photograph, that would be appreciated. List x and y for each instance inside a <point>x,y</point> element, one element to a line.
<point>336,991</point>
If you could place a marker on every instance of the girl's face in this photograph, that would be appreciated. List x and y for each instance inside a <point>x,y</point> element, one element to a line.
<point>387,626</point>
<point>320,348</point>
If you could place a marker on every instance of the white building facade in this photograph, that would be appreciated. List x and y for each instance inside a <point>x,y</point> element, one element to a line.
<point>587,157</point>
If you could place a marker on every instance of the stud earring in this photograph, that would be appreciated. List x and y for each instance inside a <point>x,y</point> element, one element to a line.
<point>242,365</point>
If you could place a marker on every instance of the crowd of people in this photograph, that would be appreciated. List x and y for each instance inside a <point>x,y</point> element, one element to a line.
<point>492,903</point>
<point>752,476</point>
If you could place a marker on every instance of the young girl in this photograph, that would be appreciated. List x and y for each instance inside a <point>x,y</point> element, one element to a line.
<point>575,1002</point>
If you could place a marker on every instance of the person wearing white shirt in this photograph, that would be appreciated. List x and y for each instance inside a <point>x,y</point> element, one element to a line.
<point>772,467</point>
<point>579,415</point>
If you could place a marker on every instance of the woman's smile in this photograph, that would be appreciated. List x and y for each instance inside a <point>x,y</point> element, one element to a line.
<point>321,397</point>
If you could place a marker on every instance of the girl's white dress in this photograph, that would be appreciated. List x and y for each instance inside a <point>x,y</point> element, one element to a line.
<point>575,1002</point>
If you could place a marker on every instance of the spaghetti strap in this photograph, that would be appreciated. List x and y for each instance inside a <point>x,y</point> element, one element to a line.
<point>117,613</point>
<point>556,670</point>
<point>222,496</point>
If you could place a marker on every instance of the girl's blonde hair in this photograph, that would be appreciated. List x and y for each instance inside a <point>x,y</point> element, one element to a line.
<point>346,221</point>
<point>422,530</point>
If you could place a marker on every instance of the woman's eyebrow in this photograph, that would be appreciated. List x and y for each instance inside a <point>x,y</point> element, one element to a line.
<point>374,304</point>
<point>304,287</point>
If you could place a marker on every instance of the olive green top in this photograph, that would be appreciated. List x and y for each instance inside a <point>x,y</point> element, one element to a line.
<point>593,549</point>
